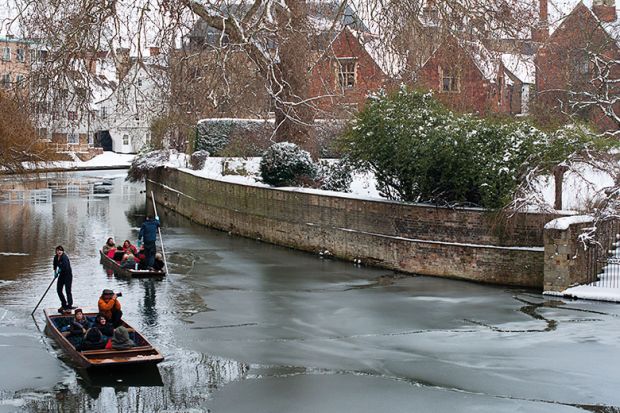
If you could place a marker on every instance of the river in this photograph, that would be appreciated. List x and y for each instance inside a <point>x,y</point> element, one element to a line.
<point>250,327</point>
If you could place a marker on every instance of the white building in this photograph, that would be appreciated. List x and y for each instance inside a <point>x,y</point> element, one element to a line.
<point>124,115</point>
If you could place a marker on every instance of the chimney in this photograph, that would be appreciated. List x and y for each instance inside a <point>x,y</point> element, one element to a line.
<point>605,10</point>
<point>122,63</point>
<point>154,51</point>
<point>540,33</point>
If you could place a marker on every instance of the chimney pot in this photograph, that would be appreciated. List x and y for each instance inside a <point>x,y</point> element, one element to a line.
<point>605,10</point>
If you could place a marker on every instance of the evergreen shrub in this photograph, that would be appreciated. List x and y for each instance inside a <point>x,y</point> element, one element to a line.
<point>421,152</point>
<point>286,164</point>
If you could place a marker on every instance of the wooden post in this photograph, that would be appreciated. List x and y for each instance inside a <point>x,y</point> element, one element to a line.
<point>558,174</point>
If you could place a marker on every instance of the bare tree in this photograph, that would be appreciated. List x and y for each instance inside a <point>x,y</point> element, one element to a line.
<point>19,143</point>
<point>275,36</point>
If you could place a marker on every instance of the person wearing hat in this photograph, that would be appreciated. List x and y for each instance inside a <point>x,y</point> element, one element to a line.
<point>79,325</point>
<point>62,270</point>
<point>121,340</point>
<point>110,307</point>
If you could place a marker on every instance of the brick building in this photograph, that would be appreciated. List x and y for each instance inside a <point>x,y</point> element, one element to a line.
<point>345,67</point>
<point>577,63</point>
<point>15,61</point>
<point>468,77</point>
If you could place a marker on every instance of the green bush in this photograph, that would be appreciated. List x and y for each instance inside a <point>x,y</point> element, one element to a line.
<point>421,152</point>
<point>286,164</point>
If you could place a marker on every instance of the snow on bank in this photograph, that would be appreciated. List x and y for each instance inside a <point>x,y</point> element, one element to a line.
<point>589,292</point>
<point>107,160</point>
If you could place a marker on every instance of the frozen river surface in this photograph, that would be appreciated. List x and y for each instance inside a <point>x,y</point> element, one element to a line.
<point>250,327</point>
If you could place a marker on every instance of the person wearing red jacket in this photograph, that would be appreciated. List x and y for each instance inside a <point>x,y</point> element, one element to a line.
<point>129,247</point>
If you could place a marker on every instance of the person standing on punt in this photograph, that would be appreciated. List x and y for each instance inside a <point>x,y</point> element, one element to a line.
<point>148,233</point>
<point>62,269</point>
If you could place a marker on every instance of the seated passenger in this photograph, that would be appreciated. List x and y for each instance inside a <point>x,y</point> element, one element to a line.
<point>141,258</point>
<point>129,262</point>
<point>78,326</point>
<point>109,245</point>
<point>93,340</point>
<point>121,340</point>
<point>129,248</point>
<point>110,307</point>
<point>101,324</point>
<point>158,264</point>
<point>117,254</point>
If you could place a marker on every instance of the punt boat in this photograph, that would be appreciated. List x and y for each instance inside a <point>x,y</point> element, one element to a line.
<point>142,354</point>
<point>124,272</point>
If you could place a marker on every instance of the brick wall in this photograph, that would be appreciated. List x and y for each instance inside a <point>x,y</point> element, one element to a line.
<point>457,243</point>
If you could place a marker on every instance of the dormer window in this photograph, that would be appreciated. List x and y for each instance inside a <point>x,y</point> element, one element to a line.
<point>346,73</point>
<point>450,80</point>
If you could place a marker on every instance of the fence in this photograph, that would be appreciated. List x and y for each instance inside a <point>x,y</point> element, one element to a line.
<point>603,255</point>
<point>28,196</point>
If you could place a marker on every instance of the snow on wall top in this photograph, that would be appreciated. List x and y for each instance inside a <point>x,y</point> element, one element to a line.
<point>564,222</point>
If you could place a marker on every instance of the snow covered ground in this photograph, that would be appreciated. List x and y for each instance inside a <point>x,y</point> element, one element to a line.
<point>106,160</point>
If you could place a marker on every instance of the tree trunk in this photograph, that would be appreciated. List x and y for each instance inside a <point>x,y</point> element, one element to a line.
<point>294,113</point>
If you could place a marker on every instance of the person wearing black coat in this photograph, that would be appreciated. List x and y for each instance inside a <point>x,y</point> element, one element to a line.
<point>93,340</point>
<point>62,268</point>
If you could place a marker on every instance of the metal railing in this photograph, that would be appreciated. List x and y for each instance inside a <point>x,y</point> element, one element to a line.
<point>603,255</point>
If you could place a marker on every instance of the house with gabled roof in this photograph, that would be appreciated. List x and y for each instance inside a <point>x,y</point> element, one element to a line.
<point>468,77</point>
<point>578,65</point>
<point>346,67</point>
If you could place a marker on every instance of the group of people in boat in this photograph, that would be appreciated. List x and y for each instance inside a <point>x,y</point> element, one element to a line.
<point>105,331</point>
<point>130,257</point>
<point>145,256</point>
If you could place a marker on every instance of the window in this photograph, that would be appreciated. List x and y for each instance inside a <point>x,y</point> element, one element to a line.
<point>6,80</point>
<point>19,79</point>
<point>346,73</point>
<point>104,112</point>
<point>20,55</point>
<point>6,54</point>
<point>431,15</point>
<point>72,115</point>
<point>450,81</point>
<point>73,138</point>
<point>125,139</point>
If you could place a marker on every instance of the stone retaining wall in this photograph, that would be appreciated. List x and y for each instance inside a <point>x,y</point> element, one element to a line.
<point>458,243</point>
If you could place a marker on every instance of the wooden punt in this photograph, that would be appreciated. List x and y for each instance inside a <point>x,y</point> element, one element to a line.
<point>124,272</point>
<point>144,353</point>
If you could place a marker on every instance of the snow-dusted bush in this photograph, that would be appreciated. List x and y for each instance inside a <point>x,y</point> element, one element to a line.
<point>212,135</point>
<point>286,164</point>
<point>335,176</point>
<point>145,162</point>
<point>198,159</point>
<point>421,152</point>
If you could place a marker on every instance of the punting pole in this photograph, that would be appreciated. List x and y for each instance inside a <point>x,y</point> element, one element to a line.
<point>161,240</point>
<point>44,294</point>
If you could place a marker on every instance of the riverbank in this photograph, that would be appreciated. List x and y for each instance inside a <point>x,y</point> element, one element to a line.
<point>463,243</point>
<point>105,161</point>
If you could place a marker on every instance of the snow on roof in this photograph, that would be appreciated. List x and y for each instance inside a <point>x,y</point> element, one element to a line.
<point>560,9</point>
<point>390,62</point>
<point>520,65</point>
<point>486,61</point>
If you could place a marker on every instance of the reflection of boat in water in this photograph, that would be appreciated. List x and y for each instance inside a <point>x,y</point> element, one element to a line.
<point>118,270</point>
<point>142,353</point>
<point>136,376</point>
